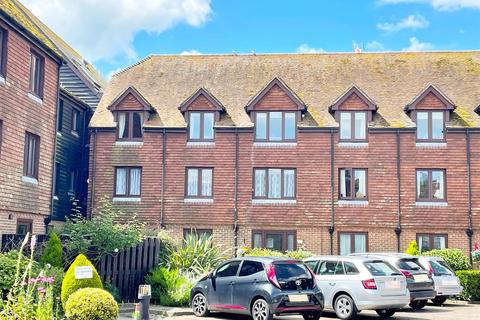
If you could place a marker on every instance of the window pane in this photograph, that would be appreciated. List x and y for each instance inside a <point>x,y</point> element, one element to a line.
<point>60,116</point>
<point>290,242</point>
<point>121,183</point>
<point>74,120</point>
<point>424,243</point>
<point>345,244</point>
<point>345,125</point>
<point>360,125</point>
<point>289,183</point>
<point>290,125</point>
<point>345,176</point>
<point>422,125</point>
<point>422,184</point>
<point>260,190</point>
<point>275,126</point>
<point>250,267</point>
<point>437,125</point>
<point>137,125</point>
<point>208,126</point>
<point>257,240</point>
<point>135,180</point>
<point>438,185</point>
<point>123,125</point>
<point>194,125</point>
<point>33,67</point>
<point>228,270</point>
<point>360,184</point>
<point>439,242</point>
<point>274,241</point>
<point>274,183</point>
<point>261,126</point>
<point>360,243</point>
<point>192,188</point>
<point>207,182</point>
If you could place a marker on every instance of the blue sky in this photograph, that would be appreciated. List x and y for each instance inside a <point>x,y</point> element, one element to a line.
<point>220,26</point>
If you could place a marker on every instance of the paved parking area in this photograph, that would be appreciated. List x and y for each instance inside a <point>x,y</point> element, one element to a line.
<point>448,311</point>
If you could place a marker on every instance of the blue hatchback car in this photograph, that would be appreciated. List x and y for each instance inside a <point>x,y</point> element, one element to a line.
<point>260,287</point>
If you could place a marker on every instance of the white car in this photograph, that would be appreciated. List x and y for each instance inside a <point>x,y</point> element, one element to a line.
<point>446,282</point>
<point>352,284</point>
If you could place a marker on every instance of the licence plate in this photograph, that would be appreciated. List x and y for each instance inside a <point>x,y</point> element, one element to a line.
<point>449,282</point>
<point>420,277</point>
<point>298,297</point>
<point>392,285</point>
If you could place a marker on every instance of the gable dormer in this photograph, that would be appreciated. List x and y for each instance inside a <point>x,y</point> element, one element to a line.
<point>353,110</point>
<point>430,111</point>
<point>275,111</point>
<point>130,110</point>
<point>201,110</point>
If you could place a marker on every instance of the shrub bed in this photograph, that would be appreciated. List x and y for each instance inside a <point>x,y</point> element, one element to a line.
<point>170,287</point>
<point>470,280</point>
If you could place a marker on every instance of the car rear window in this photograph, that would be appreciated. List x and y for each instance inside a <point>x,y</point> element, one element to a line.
<point>380,268</point>
<point>446,265</point>
<point>312,264</point>
<point>439,270</point>
<point>409,264</point>
<point>286,271</point>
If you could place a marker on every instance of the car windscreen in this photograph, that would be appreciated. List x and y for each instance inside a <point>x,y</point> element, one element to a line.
<point>288,271</point>
<point>409,264</point>
<point>381,268</point>
<point>441,268</point>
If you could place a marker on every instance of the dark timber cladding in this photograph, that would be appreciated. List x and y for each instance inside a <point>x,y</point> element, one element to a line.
<point>337,127</point>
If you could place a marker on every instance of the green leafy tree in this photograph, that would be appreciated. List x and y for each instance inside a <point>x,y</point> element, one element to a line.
<point>456,258</point>
<point>53,252</point>
<point>70,284</point>
<point>412,248</point>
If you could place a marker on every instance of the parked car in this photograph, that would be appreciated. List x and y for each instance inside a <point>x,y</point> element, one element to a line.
<point>352,284</point>
<point>446,282</point>
<point>419,280</point>
<point>260,287</point>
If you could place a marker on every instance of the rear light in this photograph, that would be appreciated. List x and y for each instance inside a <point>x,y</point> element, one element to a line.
<point>369,284</point>
<point>271,275</point>
<point>430,270</point>
<point>407,274</point>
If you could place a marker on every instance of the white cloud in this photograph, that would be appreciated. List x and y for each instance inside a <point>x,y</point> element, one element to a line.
<point>416,45</point>
<point>106,29</point>
<point>375,46</point>
<point>442,5</point>
<point>190,53</point>
<point>305,48</point>
<point>413,21</point>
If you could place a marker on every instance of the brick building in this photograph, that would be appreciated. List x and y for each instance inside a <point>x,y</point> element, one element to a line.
<point>29,92</point>
<point>334,153</point>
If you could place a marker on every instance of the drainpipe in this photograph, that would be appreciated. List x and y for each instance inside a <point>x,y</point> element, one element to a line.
<point>331,228</point>
<point>164,158</point>
<point>398,229</point>
<point>94,166</point>
<point>469,231</point>
<point>235,209</point>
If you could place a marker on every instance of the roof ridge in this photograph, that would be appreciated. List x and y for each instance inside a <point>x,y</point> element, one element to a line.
<point>132,66</point>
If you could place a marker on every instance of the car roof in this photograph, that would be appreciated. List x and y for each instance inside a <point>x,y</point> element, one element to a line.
<point>265,259</point>
<point>432,258</point>
<point>385,255</point>
<point>336,257</point>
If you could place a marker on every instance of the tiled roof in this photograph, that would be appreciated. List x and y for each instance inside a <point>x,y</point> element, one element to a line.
<point>392,80</point>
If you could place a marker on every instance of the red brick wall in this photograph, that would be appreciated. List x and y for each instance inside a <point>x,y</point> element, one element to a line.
<point>430,101</point>
<point>20,113</point>
<point>201,103</point>
<point>129,103</point>
<point>276,98</point>
<point>354,102</point>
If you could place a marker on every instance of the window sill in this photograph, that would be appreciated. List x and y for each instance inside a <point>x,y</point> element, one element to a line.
<point>432,145</point>
<point>200,144</point>
<point>352,203</point>
<point>353,144</point>
<point>198,200</point>
<point>431,204</point>
<point>275,144</point>
<point>30,180</point>
<point>273,201</point>
<point>129,143</point>
<point>75,134</point>
<point>126,199</point>
<point>2,80</point>
<point>35,99</point>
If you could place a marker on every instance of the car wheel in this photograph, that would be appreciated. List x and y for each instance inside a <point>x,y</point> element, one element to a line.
<point>199,305</point>
<point>314,315</point>
<point>261,310</point>
<point>345,307</point>
<point>385,313</point>
<point>438,301</point>
<point>418,304</point>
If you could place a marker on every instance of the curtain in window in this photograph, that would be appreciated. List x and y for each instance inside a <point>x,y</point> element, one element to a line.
<point>121,183</point>
<point>290,242</point>
<point>289,183</point>
<point>422,184</point>
<point>345,125</point>
<point>122,121</point>
<point>274,183</point>
<point>275,126</point>
<point>192,189</point>
<point>345,244</point>
<point>135,181</point>
<point>206,182</point>
<point>260,183</point>
<point>257,240</point>
<point>360,243</point>
<point>360,184</point>
<point>439,242</point>
<point>208,125</point>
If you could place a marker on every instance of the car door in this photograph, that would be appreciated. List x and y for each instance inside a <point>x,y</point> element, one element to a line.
<point>326,279</point>
<point>249,279</point>
<point>221,297</point>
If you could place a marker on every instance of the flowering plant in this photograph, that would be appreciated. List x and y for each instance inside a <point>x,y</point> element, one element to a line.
<point>476,252</point>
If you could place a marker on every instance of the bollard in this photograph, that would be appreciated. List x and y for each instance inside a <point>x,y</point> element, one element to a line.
<point>144,294</point>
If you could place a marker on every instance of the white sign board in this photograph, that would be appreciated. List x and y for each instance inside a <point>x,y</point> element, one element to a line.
<point>84,272</point>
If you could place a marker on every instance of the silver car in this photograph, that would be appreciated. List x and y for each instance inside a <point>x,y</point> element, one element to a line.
<point>352,284</point>
<point>446,282</point>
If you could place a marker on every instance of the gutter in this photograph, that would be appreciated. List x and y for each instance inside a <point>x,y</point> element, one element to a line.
<point>469,231</point>
<point>164,172</point>
<point>94,165</point>
<point>331,228</point>
<point>235,206</point>
<point>398,229</point>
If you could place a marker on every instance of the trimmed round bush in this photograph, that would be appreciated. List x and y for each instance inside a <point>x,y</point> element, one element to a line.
<point>70,284</point>
<point>91,303</point>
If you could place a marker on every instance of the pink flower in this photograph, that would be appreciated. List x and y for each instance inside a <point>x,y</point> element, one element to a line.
<point>33,280</point>
<point>49,279</point>
<point>33,242</point>
<point>41,290</point>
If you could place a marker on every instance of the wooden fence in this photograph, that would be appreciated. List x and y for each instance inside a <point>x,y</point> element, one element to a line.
<point>127,269</point>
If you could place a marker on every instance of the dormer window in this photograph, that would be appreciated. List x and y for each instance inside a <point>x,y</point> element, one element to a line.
<point>353,110</point>
<point>275,126</point>
<point>200,126</point>
<point>430,126</point>
<point>129,125</point>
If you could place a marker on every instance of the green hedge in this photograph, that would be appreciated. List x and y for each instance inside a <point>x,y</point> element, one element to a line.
<point>456,258</point>
<point>260,252</point>
<point>470,280</point>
